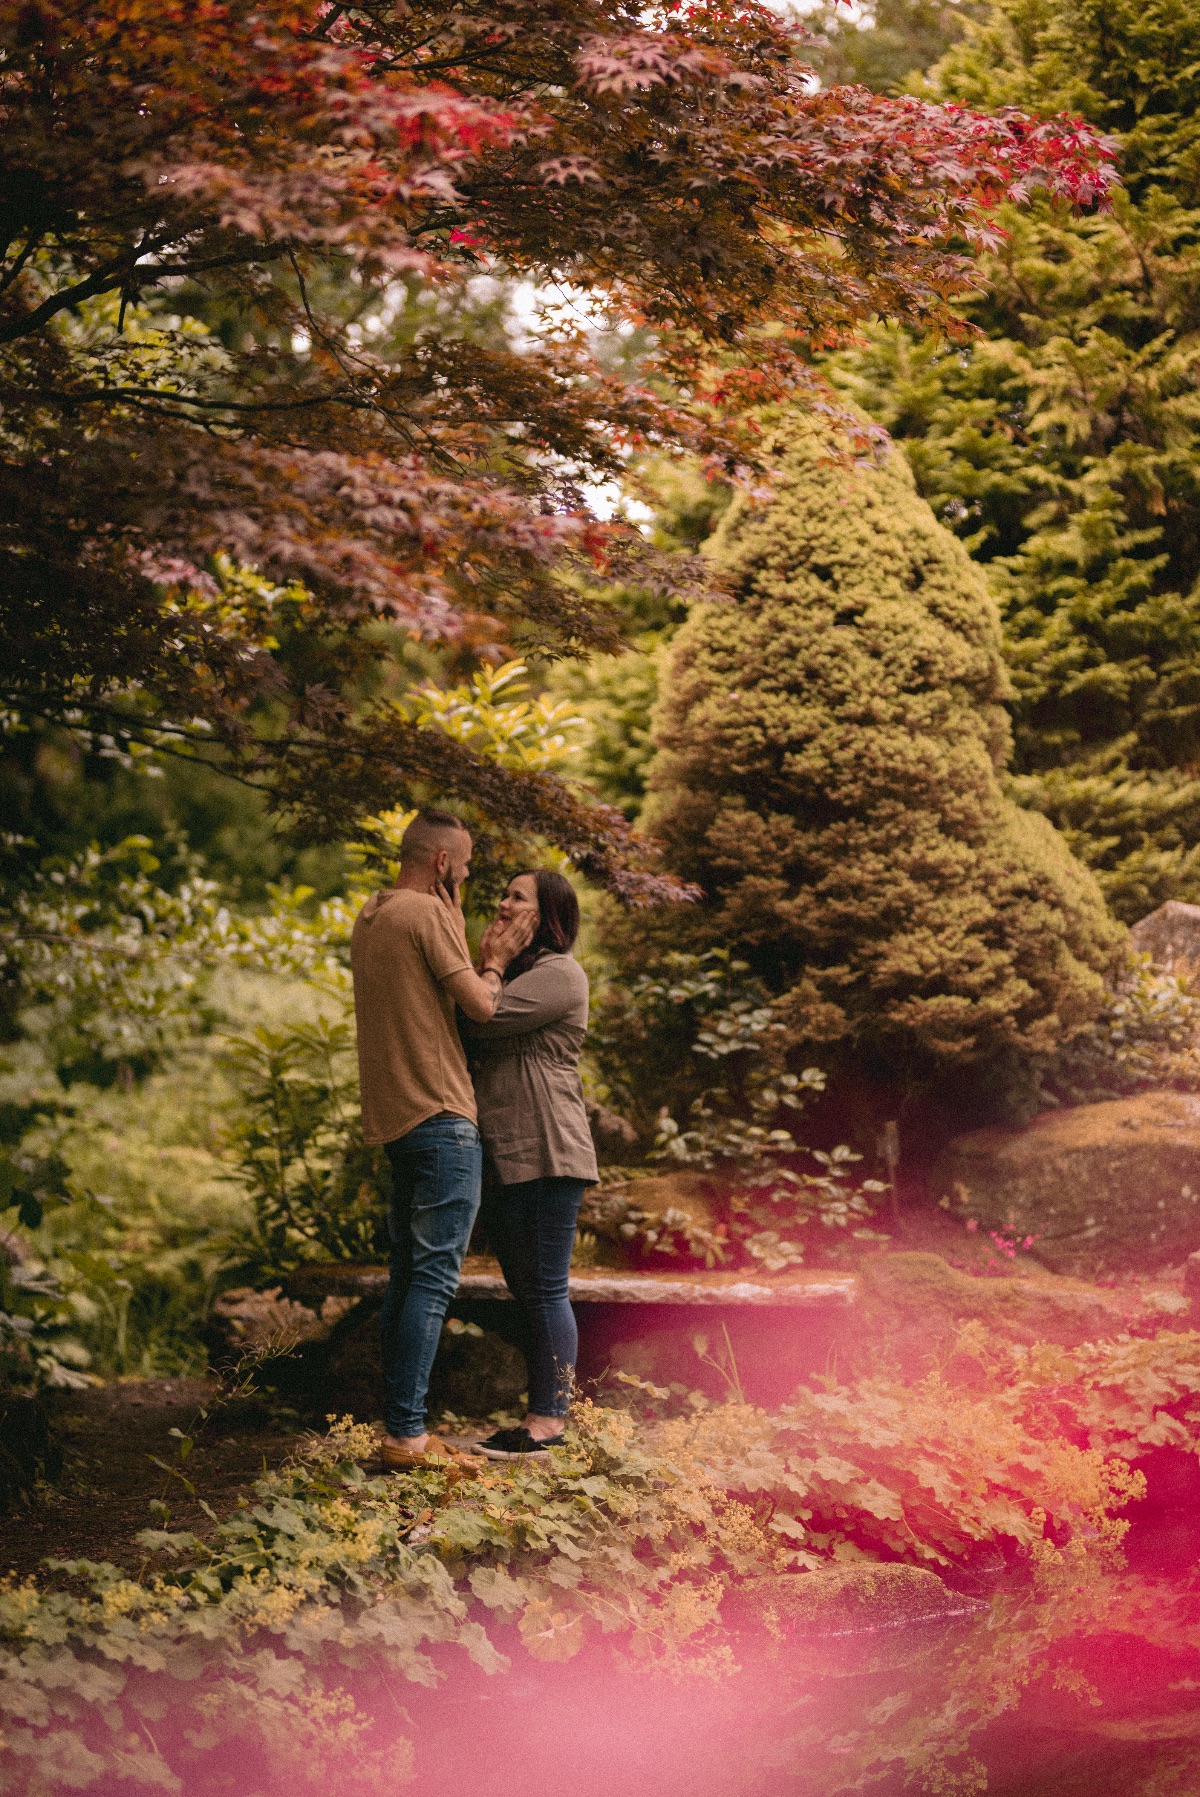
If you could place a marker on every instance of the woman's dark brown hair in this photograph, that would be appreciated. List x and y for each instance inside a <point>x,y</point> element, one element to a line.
<point>559,922</point>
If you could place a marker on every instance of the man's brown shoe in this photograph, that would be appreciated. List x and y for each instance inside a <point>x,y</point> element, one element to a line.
<point>437,1456</point>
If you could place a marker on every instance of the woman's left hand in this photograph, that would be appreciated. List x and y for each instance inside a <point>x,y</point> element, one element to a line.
<point>504,938</point>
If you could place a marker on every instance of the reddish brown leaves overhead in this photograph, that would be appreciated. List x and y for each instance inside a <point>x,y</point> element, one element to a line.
<point>261,162</point>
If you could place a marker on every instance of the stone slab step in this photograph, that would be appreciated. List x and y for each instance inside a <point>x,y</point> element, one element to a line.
<point>482,1278</point>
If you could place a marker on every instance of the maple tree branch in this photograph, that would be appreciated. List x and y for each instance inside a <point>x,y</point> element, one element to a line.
<point>162,402</point>
<point>320,335</point>
<point>103,280</point>
<point>14,272</point>
<point>113,277</point>
<point>320,33</point>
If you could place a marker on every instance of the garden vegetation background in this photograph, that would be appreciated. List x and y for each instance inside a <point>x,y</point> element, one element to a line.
<point>295,532</point>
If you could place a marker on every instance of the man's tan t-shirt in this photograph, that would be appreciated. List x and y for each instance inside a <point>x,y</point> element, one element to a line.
<point>411,1063</point>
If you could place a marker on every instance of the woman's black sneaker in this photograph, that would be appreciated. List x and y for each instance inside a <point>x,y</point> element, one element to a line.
<point>516,1444</point>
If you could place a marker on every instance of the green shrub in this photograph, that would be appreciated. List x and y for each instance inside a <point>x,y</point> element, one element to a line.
<point>614,695</point>
<point>663,1039</point>
<point>831,747</point>
<point>316,1188</point>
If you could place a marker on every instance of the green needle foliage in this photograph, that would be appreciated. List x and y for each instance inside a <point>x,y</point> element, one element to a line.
<point>882,45</point>
<point>831,747</point>
<point>1062,445</point>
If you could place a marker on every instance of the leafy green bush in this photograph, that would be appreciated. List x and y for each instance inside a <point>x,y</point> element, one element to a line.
<point>614,696</point>
<point>39,1344</point>
<point>103,949</point>
<point>695,1053</point>
<point>1146,1035</point>
<point>830,751</point>
<point>141,1220</point>
<point>316,1188</point>
<point>657,1038</point>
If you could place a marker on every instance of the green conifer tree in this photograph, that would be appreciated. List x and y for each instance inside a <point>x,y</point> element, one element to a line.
<point>1064,447</point>
<point>880,46</point>
<point>830,745</point>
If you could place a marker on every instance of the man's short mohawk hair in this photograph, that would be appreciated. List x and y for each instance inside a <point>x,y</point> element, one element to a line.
<point>427,834</point>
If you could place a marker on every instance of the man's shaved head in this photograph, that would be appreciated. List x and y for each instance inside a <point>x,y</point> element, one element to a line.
<point>429,833</point>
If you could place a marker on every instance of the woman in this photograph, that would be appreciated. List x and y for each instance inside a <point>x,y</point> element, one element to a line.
<point>525,1060</point>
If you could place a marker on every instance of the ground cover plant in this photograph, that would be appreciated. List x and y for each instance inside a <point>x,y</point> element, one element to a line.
<point>268,1639</point>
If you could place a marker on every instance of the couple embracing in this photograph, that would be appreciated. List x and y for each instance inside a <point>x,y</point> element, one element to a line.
<point>524,1012</point>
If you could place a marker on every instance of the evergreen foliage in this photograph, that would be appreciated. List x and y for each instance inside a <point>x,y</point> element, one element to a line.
<point>1062,447</point>
<point>895,39</point>
<point>830,752</point>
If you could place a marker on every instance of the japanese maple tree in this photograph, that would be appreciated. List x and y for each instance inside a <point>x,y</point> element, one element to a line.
<point>672,165</point>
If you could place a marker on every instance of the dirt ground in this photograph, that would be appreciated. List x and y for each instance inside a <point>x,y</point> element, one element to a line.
<point>111,1436</point>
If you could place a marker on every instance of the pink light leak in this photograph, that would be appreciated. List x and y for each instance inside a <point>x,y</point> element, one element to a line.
<point>1052,1693</point>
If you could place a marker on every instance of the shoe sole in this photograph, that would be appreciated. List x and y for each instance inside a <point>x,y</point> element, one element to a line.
<point>438,1463</point>
<point>521,1454</point>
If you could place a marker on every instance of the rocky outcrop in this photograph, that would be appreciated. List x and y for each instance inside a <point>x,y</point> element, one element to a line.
<point>1171,935</point>
<point>858,1618</point>
<point>1099,1188</point>
<point>846,1600</point>
<point>244,1319</point>
<point>921,1298</point>
<point>916,1306</point>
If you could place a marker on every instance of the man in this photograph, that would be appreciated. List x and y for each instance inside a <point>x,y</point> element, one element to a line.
<point>411,967</point>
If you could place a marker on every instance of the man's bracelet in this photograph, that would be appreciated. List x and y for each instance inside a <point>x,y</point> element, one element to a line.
<point>498,971</point>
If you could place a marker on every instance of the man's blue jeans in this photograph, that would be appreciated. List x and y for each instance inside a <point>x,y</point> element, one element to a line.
<point>436,1173</point>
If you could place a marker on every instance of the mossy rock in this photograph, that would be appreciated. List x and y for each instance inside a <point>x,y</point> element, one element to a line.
<point>922,1297</point>
<point>475,1372</point>
<point>1099,1187</point>
<point>862,1617</point>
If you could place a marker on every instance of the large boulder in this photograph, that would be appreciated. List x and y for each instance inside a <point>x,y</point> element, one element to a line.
<point>1100,1188</point>
<point>917,1304</point>
<point>1171,935</point>
<point>860,1618</point>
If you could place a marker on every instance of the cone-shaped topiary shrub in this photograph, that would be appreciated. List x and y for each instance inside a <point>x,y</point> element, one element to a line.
<point>831,746</point>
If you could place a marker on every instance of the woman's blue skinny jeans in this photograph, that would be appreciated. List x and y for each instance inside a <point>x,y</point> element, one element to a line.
<point>532,1229</point>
